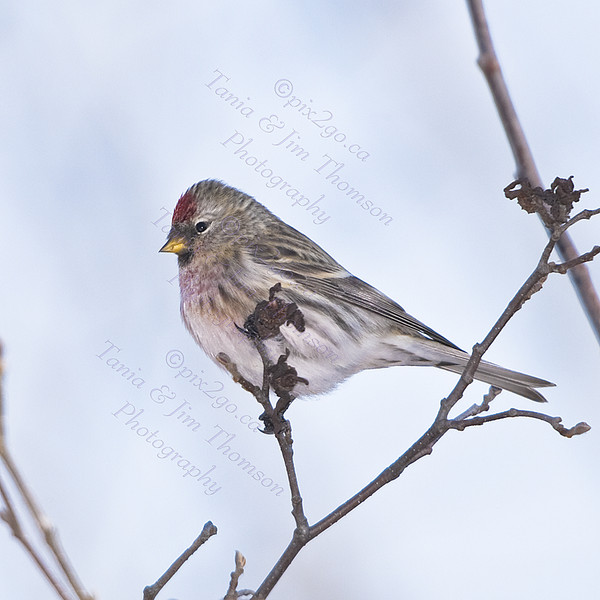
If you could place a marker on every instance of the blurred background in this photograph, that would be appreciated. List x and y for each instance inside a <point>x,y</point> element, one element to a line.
<point>111,110</point>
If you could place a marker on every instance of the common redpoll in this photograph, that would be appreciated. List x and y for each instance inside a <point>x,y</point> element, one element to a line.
<point>232,250</point>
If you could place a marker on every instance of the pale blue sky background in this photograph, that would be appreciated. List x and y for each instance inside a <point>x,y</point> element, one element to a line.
<point>106,118</point>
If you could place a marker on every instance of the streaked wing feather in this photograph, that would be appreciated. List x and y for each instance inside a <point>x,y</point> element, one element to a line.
<point>299,259</point>
<point>358,293</point>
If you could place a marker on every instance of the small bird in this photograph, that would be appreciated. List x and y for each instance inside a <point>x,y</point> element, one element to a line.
<point>231,250</point>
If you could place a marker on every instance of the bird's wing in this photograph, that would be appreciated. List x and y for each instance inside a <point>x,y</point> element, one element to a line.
<point>299,259</point>
<point>354,291</point>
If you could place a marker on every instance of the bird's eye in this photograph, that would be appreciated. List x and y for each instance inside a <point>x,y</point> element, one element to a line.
<point>201,226</point>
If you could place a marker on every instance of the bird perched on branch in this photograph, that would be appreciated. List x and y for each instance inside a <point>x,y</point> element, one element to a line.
<point>232,250</point>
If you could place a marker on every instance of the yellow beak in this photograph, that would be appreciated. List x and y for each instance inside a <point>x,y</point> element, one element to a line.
<point>177,245</point>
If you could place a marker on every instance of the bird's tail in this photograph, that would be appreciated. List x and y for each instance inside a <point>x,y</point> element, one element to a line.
<point>512,381</point>
<point>430,352</point>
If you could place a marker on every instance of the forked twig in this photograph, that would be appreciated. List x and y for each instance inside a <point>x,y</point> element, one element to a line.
<point>526,168</point>
<point>556,422</point>
<point>304,533</point>
<point>11,517</point>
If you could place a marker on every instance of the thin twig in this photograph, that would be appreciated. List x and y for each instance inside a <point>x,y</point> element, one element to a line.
<point>526,168</point>
<point>280,567</point>
<point>240,563</point>
<point>43,524</point>
<point>263,324</point>
<point>9,516</point>
<point>583,215</point>
<point>424,445</point>
<point>571,264</point>
<point>285,441</point>
<point>239,378</point>
<point>477,409</point>
<point>568,432</point>
<point>45,527</point>
<point>283,433</point>
<point>151,591</point>
<point>532,285</point>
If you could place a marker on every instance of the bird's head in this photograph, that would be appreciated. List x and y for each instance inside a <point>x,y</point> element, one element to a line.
<point>213,222</point>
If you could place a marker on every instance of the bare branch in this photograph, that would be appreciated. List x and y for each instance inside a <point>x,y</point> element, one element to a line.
<point>570,264</point>
<point>424,446</point>
<point>151,591</point>
<point>264,323</point>
<point>285,560</point>
<point>42,523</point>
<point>583,215</point>
<point>526,168</point>
<point>578,429</point>
<point>532,285</point>
<point>9,516</point>
<point>240,563</point>
<point>477,409</point>
<point>238,378</point>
